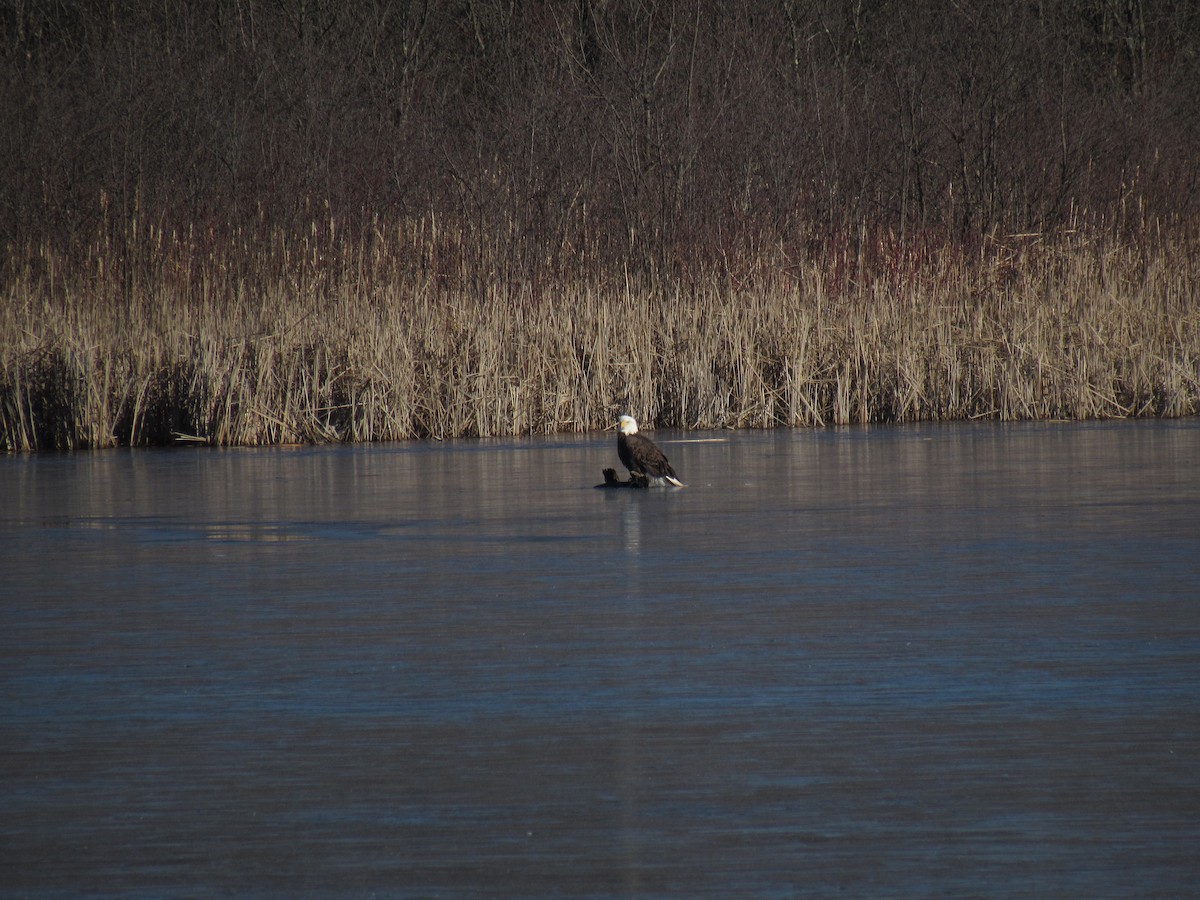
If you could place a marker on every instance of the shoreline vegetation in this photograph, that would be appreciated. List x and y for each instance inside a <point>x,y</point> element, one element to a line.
<point>259,223</point>
<point>384,335</point>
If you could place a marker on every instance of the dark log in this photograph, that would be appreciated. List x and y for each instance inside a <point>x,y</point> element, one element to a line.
<point>612,481</point>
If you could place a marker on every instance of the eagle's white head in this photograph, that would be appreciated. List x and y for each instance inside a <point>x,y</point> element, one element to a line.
<point>627,425</point>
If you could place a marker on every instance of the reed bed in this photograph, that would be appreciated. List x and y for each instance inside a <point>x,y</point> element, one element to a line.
<point>389,335</point>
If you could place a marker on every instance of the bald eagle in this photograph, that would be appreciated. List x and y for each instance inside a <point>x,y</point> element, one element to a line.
<point>639,455</point>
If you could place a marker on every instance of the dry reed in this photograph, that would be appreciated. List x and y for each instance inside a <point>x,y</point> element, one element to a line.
<point>387,336</point>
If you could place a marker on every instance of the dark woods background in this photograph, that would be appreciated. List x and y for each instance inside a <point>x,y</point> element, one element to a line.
<point>557,135</point>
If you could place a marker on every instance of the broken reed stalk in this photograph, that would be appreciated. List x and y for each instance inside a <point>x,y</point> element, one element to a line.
<point>389,337</point>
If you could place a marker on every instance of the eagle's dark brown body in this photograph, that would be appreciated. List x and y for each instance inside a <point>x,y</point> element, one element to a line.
<point>640,456</point>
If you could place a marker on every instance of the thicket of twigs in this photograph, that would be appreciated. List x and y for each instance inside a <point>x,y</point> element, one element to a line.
<point>255,222</point>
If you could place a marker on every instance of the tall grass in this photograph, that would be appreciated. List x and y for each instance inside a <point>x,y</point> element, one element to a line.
<point>149,334</point>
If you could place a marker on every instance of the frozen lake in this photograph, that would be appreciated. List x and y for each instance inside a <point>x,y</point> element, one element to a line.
<point>896,661</point>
